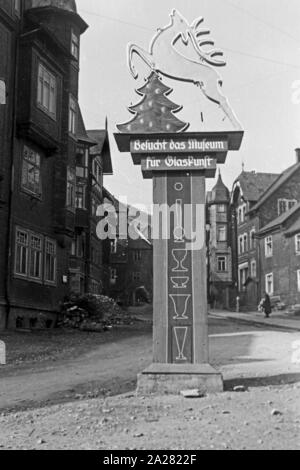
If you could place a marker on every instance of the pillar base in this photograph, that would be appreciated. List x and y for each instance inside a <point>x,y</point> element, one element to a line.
<point>171,379</point>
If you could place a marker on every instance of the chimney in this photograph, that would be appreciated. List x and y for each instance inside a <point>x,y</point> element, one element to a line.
<point>297,155</point>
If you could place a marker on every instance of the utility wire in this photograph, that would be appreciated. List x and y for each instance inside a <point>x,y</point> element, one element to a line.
<point>260,20</point>
<point>128,23</point>
<point>266,59</point>
<point>234,51</point>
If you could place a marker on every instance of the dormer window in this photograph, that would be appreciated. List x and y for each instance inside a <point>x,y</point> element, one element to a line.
<point>75,45</point>
<point>284,205</point>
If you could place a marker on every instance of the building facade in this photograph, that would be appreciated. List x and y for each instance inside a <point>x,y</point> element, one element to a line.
<point>50,179</point>
<point>247,190</point>
<point>219,246</point>
<point>257,200</point>
<point>279,245</point>
<point>128,259</point>
<point>10,23</point>
<point>86,256</point>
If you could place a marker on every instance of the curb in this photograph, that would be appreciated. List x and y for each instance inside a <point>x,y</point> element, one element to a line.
<point>258,323</point>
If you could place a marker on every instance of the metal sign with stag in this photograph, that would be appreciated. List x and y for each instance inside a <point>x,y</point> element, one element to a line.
<point>165,58</point>
<point>179,162</point>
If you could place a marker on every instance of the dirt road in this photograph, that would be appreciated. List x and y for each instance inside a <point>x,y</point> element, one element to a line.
<point>261,418</point>
<point>244,354</point>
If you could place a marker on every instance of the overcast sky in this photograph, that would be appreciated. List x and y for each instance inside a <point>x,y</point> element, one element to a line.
<point>261,43</point>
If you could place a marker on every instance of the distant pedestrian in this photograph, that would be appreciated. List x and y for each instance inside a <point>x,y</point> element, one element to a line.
<point>267,305</point>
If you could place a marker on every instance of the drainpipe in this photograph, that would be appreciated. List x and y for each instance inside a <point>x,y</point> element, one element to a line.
<point>13,96</point>
<point>88,200</point>
<point>259,269</point>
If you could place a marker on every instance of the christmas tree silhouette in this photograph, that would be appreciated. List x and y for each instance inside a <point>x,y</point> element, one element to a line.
<point>155,112</point>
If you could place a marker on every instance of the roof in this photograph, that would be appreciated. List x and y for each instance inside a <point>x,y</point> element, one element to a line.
<point>276,185</point>
<point>253,184</point>
<point>68,5</point>
<point>220,193</point>
<point>81,133</point>
<point>281,220</point>
<point>102,147</point>
<point>294,228</point>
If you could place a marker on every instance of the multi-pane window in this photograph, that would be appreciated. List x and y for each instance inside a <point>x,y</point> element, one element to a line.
<point>35,257</point>
<point>80,245</point>
<point>269,247</point>
<point>2,92</point>
<point>243,276</point>
<point>95,287</point>
<point>94,207</point>
<point>50,261</point>
<point>222,234</point>
<point>82,163</point>
<point>75,45</point>
<point>136,276</point>
<point>221,208</point>
<point>245,243</point>
<point>22,250</point>
<point>285,205</point>
<point>297,243</point>
<point>31,171</point>
<point>97,171</point>
<point>71,185</point>
<point>137,255</point>
<point>80,197</point>
<point>241,244</point>
<point>252,239</point>
<point>253,268</point>
<point>113,275</point>
<point>270,284</point>
<point>17,7</point>
<point>242,214</point>
<point>114,246</point>
<point>72,115</point>
<point>95,255</point>
<point>47,91</point>
<point>73,248</point>
<point>222,263</point>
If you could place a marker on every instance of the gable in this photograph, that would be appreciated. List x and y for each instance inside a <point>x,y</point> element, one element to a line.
<point>287,189</point>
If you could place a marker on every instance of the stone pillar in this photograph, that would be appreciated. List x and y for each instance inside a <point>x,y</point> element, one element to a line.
<point>180,332</point>
<point>179,165</point>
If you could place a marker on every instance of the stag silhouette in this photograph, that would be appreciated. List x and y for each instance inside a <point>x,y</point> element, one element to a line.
<point>164,58</point>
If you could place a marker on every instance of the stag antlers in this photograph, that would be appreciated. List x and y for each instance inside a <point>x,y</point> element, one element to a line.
<point>196,34</point>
